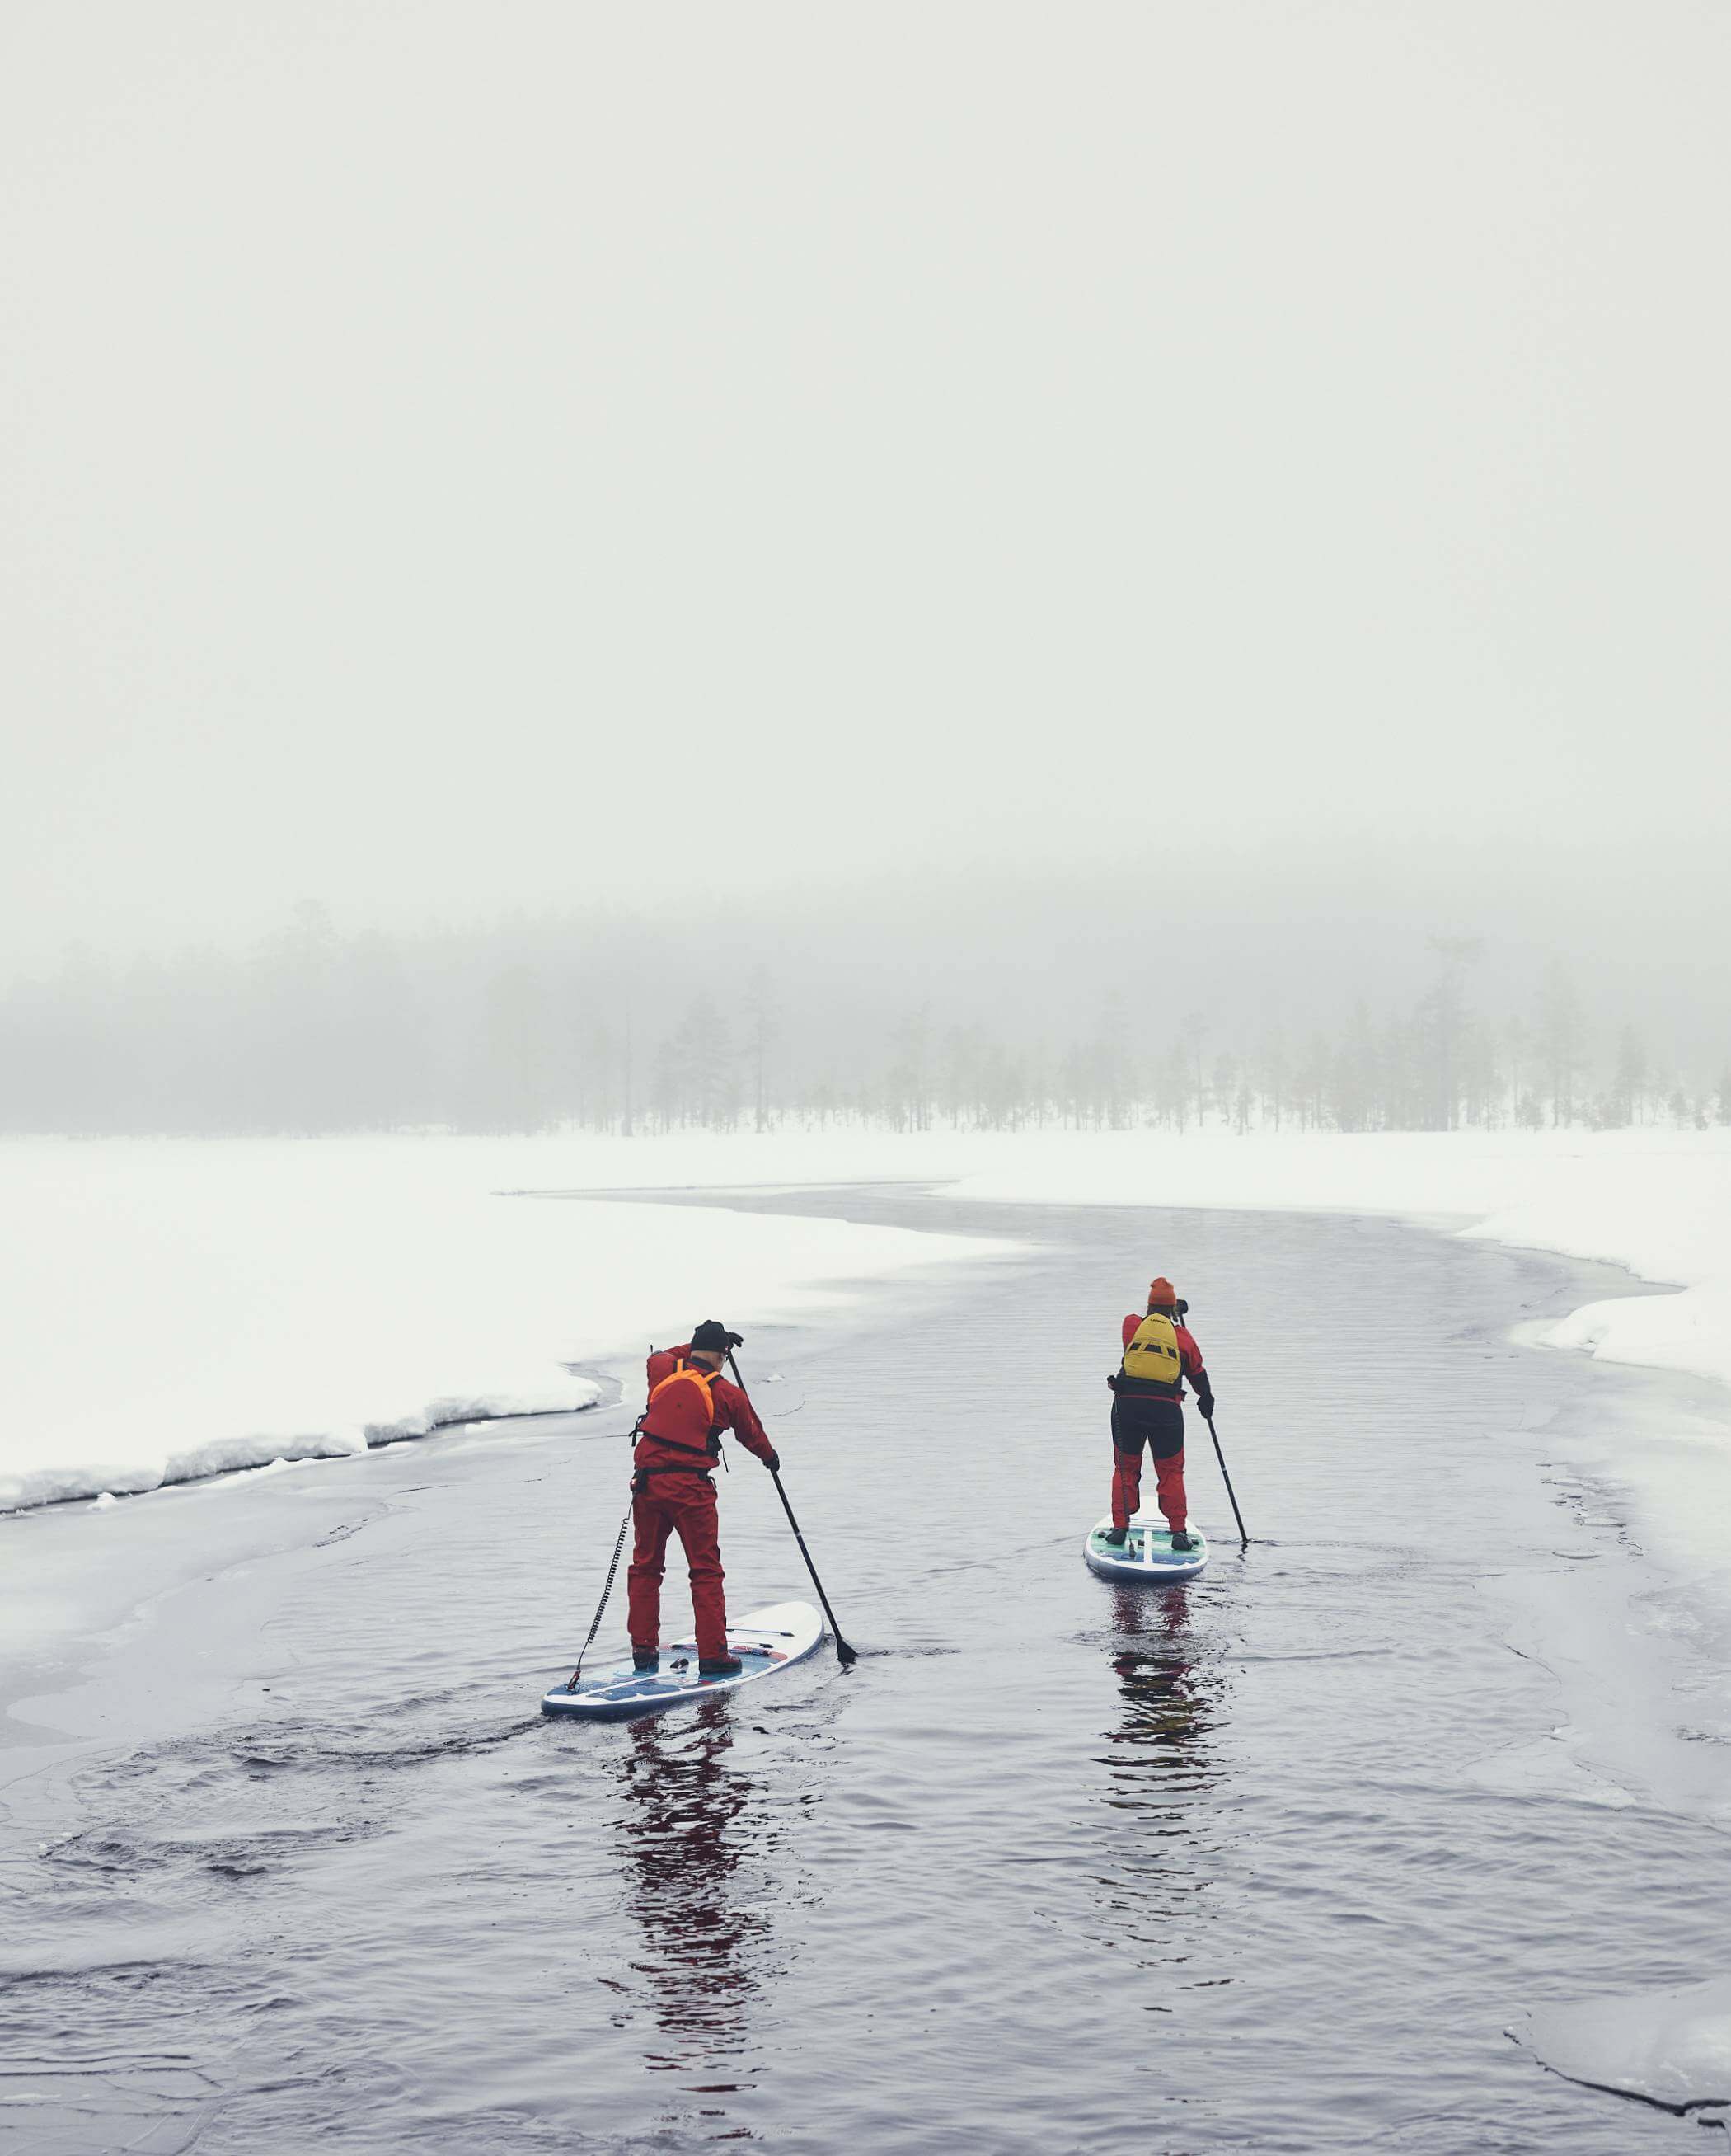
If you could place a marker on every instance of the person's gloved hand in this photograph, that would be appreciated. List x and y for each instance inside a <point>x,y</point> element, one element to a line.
<point>1204,1401</point>
<point>774,1463</point>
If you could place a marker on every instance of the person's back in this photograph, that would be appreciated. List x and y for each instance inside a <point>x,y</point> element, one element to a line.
<point>1160,1353</point>
<point>684,1411</point>
<point>1189,1354</point>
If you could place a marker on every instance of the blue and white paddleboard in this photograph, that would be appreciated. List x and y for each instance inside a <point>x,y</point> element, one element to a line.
<point>765,1642</point>
<point>1146,1553</point>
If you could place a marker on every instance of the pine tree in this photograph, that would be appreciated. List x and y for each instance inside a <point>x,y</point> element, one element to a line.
<point>1560,1027</point>
<point>1518,1040</point>
<point>909,1077</point>
<point>1353,1091</point>
<point>1171,1087</point>
<point>1196,1029</point>
<point>1274,1065</point>
<point>1442,1023</point>
<point>762,1026</point>
<point>1629,1078</point>
<point>1113,1050</point>
<point>1225,1082</point>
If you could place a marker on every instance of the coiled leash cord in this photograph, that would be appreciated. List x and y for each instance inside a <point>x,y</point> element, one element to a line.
<point>601,1606</point>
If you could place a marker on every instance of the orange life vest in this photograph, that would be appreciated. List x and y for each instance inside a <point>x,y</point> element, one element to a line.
<point>683,1373</point>
<point>686,1373</point>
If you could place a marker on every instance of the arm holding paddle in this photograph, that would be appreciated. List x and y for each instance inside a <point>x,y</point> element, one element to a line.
<point>734,1411</point>
<point>772,1459</point>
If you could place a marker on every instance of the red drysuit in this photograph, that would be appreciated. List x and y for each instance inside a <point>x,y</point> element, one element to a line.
<point>1136,1419</point>
<point>678,1443</point>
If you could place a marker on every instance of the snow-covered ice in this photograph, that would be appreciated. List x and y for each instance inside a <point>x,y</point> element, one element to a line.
<point>181,1308</point>
<point>1655,1200</point>
<point>1651,1199</point>
<point>1671,2047</point>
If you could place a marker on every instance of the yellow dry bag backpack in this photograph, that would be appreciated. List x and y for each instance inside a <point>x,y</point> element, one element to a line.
<point>1151,1363</point>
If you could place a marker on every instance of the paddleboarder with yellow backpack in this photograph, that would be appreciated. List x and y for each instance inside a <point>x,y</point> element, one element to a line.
<point>1159,1353</point>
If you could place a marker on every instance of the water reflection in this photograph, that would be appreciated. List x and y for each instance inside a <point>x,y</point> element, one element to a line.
<point>1159,1768</point>
<point>690,1823</point>
<point>1170,1700</point>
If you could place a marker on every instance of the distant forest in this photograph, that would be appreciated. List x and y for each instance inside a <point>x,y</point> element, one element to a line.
<point>611,1028</point>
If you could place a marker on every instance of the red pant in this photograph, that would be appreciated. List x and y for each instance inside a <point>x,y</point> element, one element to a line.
<point>1159,1424</point>
<point>687,1503</point>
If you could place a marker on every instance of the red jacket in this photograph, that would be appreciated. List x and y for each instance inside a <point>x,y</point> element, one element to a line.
<point>678,1416</point>
<point>1190,1356</point>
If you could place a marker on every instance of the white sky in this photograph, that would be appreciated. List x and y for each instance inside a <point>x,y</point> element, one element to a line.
<point>446,448</point>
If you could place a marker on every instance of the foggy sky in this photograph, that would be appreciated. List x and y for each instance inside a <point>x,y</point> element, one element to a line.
<point>461,458</point>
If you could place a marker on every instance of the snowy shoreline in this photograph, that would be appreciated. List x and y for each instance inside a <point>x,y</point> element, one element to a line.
<point>1654,1201</point>
<point>191,1308</point>
<point>185,1309</point>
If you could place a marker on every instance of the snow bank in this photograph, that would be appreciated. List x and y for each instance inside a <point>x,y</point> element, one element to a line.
<point>1670,2047</point>
<point>178,1308</point>
<point>1658,1201</point>
<point>181,1309</point>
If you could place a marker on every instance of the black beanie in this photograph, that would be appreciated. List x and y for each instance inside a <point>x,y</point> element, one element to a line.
<point>710,1339</point>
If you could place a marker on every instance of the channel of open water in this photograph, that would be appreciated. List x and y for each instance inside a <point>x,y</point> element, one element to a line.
<point>1270,1862</point>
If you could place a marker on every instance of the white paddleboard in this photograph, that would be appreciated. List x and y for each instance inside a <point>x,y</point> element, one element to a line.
<point>765,1640</point>
<point>1146,1553</point>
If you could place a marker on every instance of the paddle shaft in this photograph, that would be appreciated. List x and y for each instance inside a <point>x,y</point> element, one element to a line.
<point>1243,1538</point>
<point>844,1653</point>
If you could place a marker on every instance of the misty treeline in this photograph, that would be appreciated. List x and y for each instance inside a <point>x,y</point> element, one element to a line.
<point>617,1029</point>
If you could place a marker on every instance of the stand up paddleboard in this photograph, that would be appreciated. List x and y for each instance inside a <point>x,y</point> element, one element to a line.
<point>1146,1553</point>
<point>765,1642</point>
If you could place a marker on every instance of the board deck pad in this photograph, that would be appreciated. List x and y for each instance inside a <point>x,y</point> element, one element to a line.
<point>765,1640</point>
<point>1147,1553</point>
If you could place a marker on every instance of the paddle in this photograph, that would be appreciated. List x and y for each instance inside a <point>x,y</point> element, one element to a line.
<point>844,1654</point>
<point>1243,1538</point>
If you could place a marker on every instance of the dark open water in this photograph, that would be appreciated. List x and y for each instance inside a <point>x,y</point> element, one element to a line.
<point>1269,1863</point>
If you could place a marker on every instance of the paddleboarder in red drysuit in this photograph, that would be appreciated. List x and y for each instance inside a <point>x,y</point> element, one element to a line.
<point>1147,1405</point>
<point>679,1442</point>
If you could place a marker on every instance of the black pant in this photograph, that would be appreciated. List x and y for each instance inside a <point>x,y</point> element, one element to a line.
<point>1137,1417</point>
